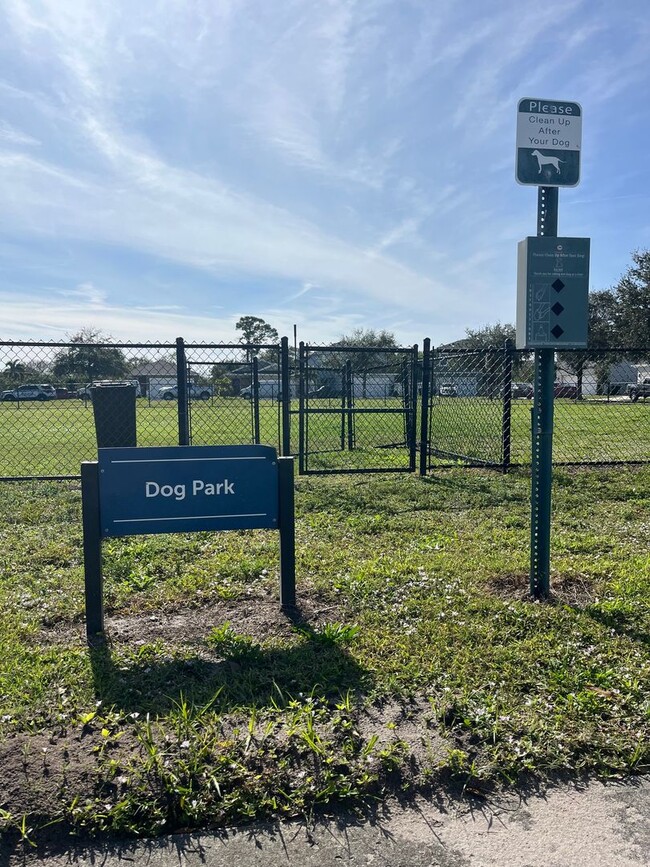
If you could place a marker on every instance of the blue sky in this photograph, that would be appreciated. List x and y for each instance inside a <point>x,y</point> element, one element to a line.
<point>169,166</point>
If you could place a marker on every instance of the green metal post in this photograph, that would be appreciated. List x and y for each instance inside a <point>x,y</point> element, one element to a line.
<point>413,408</point>
<point>255,400</point>
<point>285,412</point>
<point>287,534</point>
<point>424,409</point>
<point>92,544</point>
<point>344,392</point>
<point>542,432</point>
<point>506,403</point>
<point>349,389</point>
<point>302,439</point>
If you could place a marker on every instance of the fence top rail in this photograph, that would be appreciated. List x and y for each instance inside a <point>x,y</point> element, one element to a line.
<point>487,350</point>
<point>484,350</point>
<point>56,344</point>
<point>388,350</point>
<point>636,350</point>
<point>257,346</point>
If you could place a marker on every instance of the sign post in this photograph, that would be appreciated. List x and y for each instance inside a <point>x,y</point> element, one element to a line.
<point>542,438</point>
<point>552,293</point>
<point>177,489</point>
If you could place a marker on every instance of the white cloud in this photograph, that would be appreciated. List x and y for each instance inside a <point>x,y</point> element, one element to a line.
<point>350,158</point>
<point>190,219</point>
<point>13,136</point>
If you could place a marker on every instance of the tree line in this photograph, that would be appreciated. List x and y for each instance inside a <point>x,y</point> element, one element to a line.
<point>619,319</point>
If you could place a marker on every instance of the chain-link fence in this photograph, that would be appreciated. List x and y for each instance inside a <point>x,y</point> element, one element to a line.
<point>466,407</point>
<point>47,425</point>
<point>600,413</point>
<point>480,407</point>
<point>235,394</point>
<point>339,408</point>
<point>356,408</point>
<point>195,393</point>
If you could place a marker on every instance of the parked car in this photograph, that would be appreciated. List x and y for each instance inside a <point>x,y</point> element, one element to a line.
<point>448,390</point>
<point>64,393</point>
<point>267,389</point>
<point>640,389</point>
<point>86,394</point>
<point>522,389</point>
<point>29,391</point>
<point>565,389</point>
<point>196,392</point>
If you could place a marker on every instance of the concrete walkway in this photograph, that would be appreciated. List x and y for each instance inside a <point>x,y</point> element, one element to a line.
<point>587,826</point>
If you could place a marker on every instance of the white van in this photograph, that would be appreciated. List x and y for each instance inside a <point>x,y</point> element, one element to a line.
<point>267,388</point>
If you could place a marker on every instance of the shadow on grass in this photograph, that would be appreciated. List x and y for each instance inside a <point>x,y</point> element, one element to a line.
<point>152,680</point>
<point>624,623</point>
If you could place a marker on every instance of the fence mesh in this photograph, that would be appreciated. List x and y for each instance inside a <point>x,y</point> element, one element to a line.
<point>234,394</point>
<point>356,408</point>
<point>351,409</point>
<point>599,417</point>
<point>47,425</point>
<point>466,407</point>
<point>481,402</point>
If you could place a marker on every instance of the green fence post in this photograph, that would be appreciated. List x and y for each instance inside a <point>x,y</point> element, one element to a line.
<point>424,406</point>
<point>256,401</point>
<point>413,409</point>
<point>285,412</point>
<point>506,416</point>
<point>302,444</point>
<point>349,389</point>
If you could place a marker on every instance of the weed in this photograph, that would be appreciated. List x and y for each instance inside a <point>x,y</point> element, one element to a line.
<point>228,644</point>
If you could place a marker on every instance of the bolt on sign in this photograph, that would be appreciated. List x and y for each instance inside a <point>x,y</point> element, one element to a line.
<point>549,138</point>
<point>552,293</point>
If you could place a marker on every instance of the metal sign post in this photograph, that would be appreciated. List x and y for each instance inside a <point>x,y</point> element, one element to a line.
<point>552,300</point>
<point>542,433</point>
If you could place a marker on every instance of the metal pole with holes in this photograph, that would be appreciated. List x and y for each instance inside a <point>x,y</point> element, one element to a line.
<point>542,430</point>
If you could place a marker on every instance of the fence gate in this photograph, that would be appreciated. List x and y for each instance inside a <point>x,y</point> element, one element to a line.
<point>357,409</point>
<point>470,395</point>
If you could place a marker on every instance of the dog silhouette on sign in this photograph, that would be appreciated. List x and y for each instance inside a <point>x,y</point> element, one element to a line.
<point>547,161</point>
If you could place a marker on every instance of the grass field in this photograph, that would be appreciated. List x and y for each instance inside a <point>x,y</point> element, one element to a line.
<point>53,438</point>
<point>416,658</point>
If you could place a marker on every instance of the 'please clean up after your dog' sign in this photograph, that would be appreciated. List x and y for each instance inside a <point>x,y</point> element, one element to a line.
<point>549,138</point>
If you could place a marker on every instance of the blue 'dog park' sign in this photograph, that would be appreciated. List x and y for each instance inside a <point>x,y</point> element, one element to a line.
<point>183,489</point>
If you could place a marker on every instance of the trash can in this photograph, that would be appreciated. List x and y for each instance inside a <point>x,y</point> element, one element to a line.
<point>114,411</point>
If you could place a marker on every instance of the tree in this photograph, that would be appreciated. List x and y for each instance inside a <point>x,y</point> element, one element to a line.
<point>254,332</point>
<point>488,337</point>
<point>618,318</point>
<point>602,320</point>
<point>363,363</point>
<point>486,367</point>
<point>15,371</point>
<point>632,303</point>
<point>89,358</point>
